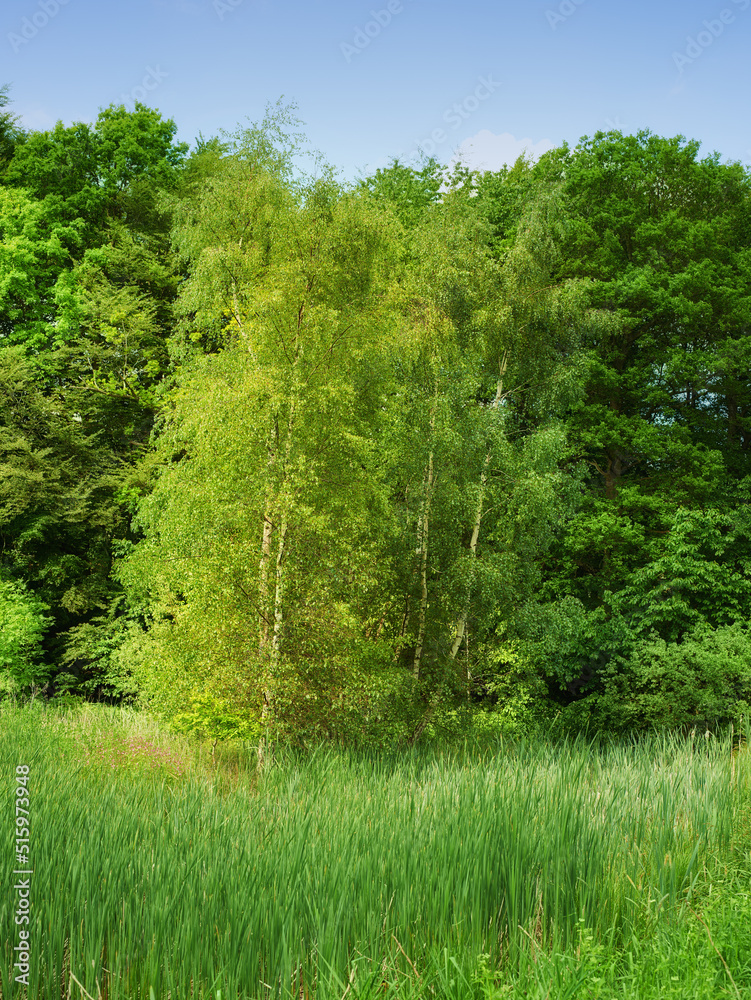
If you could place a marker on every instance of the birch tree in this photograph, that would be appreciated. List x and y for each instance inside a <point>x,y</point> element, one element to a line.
<point>264,530</point>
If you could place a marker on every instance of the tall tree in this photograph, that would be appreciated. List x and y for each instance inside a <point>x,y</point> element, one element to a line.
<point>660,237</point>
<point>480,482</point>
<point>272,573</point>
<point>86,290</point>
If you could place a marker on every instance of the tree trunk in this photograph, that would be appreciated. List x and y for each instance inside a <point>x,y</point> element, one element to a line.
<point>284,497</point>
<point>461,623</point>
<point>263,582</point>
<point>423,534</point>
<point>264,605</point>
<point>264,597</point>
<point>281,558</point>
<point>275,632</point>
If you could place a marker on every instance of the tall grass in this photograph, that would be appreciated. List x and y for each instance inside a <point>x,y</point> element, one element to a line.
<point>341,874</point>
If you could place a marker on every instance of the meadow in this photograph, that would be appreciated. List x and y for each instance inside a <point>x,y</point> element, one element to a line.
<point>166,868</point>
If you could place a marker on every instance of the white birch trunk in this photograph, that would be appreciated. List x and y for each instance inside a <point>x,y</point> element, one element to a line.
<point>423,535</point>
<point>461,623</point>
<point>267,533</point>
<point>275,653</point>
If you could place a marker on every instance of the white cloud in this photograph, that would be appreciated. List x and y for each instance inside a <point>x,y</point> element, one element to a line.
<point>487,151</point>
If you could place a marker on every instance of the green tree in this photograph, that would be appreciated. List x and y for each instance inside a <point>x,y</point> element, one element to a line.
<point>10,131</point>
<point>91,173</point>
<point>479,396</point>
<point>663,239</point>
<point>55,518</point>
<point>658,240</point>
<point>408,192</point>
<point>87,283</point>
<point>36,246</point>
<point>259,591</point>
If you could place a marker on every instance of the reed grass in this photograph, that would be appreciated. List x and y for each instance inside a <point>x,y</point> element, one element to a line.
<point>530,869</point>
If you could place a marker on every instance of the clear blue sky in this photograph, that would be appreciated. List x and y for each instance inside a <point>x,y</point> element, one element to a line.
<point>486,77</point>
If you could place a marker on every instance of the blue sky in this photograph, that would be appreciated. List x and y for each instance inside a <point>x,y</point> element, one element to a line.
<point>375,80</point>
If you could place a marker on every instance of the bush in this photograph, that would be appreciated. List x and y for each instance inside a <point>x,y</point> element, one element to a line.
<point>703,680</point>
<point>22,625</point>
<point>213,718</point>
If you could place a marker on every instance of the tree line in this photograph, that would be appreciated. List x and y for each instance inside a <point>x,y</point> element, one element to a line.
<point>432,450</point>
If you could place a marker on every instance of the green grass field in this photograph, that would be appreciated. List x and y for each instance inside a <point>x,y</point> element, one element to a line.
<point>523,870</point>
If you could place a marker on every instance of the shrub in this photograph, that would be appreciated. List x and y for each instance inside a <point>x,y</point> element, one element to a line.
<point>705,679</point>
<point>22,625</point>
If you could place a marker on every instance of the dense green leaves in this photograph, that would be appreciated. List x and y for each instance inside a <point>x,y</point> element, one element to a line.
<point>36,247</point>
<point>86,290</point>
<point>10,131</point>
<point>89,172</point>
<point>278,452</point>
<point>260,545</point>
<point>658,240</point>
<point>22,624</point>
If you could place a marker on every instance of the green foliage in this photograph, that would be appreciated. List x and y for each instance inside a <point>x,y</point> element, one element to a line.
<point>35,246</point>
<point>136,144</point>
<point>409,192</point>
<point>65,497</point>
<point>265,439</point>
<point>703,680</point>
<point>373,456</point>
<point>87,172</point>
<point>57,479</point>
<point>10,131</point>
<point>700,578</point>
<point>86,290</point>
<point>668,649</point>
<point>91,661</point>
<point>22,625</point>
<point>209,717</point>
<point>518,692</point>
<point>657,546</point>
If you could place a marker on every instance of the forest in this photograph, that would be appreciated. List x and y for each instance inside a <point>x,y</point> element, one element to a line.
<point>433,452</point>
